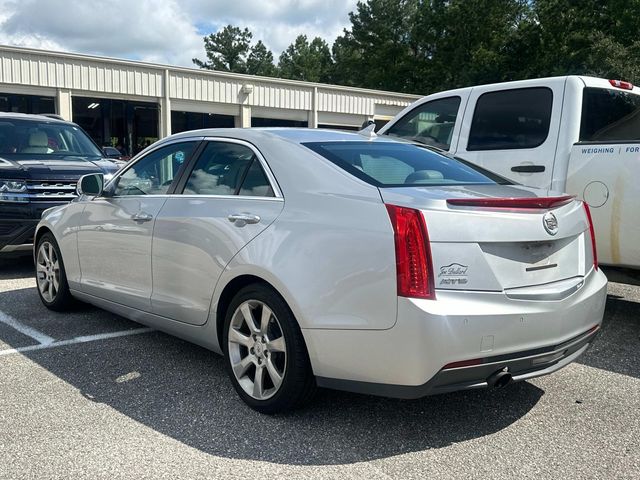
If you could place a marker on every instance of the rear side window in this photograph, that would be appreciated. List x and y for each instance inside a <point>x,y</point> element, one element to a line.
<point>431,123</point>
<point>609,115</point>
<point>511,119</point>
<point>391,164</point>
<point>228,169</point>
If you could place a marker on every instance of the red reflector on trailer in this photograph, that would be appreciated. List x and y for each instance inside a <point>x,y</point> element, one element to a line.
<point>621,84</point>
<point>463,363</point>
<point>527,202</point>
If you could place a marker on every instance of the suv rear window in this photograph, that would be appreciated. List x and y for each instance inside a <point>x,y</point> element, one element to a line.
<point>390,164</point>
<point>511,119</point>
<point>609,115</point>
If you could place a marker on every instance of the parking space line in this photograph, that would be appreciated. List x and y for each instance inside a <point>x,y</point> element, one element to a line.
<point>73,341</point>
<point>26,330</point>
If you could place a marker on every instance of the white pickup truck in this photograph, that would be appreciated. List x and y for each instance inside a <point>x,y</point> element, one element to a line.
<point>579,135</point>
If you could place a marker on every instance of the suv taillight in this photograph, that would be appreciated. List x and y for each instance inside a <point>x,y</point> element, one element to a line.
<point>592,233</point>
<point>413,253</point>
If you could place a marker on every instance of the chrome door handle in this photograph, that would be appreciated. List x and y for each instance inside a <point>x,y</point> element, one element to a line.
<point>142,217</point>
<point>241,219</point>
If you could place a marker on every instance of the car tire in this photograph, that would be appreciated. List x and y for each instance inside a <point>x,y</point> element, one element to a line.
<point>51,277</point>
<point>250,349</point>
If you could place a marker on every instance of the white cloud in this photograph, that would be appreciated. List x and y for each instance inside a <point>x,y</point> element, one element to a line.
<point>163,31</point>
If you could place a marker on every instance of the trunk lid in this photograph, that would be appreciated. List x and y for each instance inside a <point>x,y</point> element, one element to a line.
<point>500,249</point>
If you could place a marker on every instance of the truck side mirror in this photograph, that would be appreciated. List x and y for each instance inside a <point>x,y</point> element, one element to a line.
<point>91,185</point>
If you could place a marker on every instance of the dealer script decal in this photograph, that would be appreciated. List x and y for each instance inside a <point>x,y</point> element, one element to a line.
<point>453,274</point>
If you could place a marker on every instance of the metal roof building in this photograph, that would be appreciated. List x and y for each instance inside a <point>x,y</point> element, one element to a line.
<point>128,103</point>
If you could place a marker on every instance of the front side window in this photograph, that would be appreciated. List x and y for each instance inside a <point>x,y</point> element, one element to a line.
<point>609,115</point>
<point>431,123</point>
<point>511,119</point>
<point>228,169</point>
<point>154,173</point>
<point>394,164</point>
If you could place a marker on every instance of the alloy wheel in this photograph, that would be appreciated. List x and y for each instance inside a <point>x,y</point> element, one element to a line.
<point>48,271</point>
<point>257,349</point>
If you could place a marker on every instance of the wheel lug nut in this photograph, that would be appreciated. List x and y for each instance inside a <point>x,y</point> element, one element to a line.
<point>259,362</point>
<point>251,351</point>
<point>263,340</point>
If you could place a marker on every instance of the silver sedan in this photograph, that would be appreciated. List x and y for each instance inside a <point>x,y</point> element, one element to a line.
<point>317,258</point>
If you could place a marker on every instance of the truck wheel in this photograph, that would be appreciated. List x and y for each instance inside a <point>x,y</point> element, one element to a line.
<point>51,277</point>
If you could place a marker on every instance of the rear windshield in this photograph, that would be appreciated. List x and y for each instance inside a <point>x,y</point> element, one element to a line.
<point>609,116</point>
<point>37,139</point>
<point>390,164</point>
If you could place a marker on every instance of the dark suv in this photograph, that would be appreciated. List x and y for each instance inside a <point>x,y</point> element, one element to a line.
<point>41,160</point>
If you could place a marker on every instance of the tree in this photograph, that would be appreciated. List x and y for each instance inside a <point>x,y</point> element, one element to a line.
<point>227,50</point>
<point>585,37</point>
<point>304,60</point>
<point>379,51</point>
<point>260,61</point>
<point>469,42</point>
<point>424,46</point>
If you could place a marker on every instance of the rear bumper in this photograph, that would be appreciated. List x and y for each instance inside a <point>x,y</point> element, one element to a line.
<point>530,338</point>
<point>521,366</point>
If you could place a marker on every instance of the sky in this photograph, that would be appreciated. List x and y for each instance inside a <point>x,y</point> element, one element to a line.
<point>164,31</point>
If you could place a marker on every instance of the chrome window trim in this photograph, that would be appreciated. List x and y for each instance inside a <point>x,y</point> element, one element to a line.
<point>195,197</point>
<point>263,163</point>
<point>230,197</point>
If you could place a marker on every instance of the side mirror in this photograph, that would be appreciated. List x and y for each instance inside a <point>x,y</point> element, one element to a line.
<point>110,152</point>
<point>91,185</point>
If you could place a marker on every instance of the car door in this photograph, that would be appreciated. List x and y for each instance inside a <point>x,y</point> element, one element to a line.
<point>227,197</point>
<point>514,131</point>
<point>114,241</point>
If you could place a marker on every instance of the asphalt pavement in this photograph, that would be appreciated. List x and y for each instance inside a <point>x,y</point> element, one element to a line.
<point>88,394</point>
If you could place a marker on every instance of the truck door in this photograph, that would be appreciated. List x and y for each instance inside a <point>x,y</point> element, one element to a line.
<point>513,130</point>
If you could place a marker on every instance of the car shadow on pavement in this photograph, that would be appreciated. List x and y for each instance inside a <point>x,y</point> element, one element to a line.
<point>182,391</point>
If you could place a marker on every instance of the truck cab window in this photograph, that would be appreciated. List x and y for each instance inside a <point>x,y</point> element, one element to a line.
<point>609,116</point>
<point>511,119</point>
<point>431,123</point>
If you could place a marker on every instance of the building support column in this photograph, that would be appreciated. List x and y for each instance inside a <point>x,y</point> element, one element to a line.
<point>243,120</point>
<point>165,108</point>
<point>313,113</point>
<point>64,107</point>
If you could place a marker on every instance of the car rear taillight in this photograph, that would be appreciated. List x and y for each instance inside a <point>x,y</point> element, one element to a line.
<point>592,233</point>
<point>621,84</point>
<point>413,253</point>
<point>512,203</point>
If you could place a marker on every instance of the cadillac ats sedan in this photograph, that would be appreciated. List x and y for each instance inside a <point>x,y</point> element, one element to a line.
<point>316,258</point>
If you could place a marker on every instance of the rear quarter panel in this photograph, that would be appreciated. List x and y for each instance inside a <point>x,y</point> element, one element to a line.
<point>331,252</point>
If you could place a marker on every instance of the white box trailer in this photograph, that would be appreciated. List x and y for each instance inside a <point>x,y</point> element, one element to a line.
<point>574,134</point>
